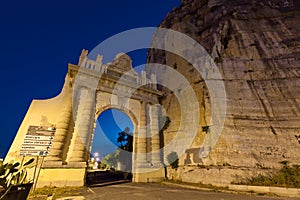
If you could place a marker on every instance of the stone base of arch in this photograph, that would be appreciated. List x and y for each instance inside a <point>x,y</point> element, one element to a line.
<point>72,176</point>
<point>75,175</point>
<point>61,177</point>
<point>146,176</point>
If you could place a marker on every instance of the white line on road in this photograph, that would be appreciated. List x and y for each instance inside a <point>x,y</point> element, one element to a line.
<point>91,191</point>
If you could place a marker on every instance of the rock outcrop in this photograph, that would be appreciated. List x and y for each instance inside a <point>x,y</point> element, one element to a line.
<point>256,46</point>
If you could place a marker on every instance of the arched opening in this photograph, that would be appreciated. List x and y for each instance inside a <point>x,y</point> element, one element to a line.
<point>112,146</point>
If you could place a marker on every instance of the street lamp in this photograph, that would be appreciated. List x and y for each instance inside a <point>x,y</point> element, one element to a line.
<point>96,154</point>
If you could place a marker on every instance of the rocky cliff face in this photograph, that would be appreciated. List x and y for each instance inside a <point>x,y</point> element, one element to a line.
<point>256,46</point>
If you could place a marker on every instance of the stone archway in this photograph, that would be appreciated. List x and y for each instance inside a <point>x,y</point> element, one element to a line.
<point>90,88</point>
<point>116,124</point>
<point>129,113</point>
<point>112,146</point>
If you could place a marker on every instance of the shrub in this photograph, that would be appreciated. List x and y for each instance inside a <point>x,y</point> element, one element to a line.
<point>287,176</point>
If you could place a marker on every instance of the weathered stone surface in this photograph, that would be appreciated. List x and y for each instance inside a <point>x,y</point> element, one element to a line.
<point>90,88</point>
<point>256,47</point>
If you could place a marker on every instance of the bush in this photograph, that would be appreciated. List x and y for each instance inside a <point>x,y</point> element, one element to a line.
<point>287,176</point>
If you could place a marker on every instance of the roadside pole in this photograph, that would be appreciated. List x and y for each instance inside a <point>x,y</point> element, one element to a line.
<point>37,142</point>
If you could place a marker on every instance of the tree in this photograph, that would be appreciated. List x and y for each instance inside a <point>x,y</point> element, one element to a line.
<point>111,160</point>
<point>125,140</point>
<point>123,154</point>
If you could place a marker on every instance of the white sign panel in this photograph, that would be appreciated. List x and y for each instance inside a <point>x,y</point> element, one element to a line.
<point>38,137</point>
<point>33,153</point>
<point>35,147</point>
<point>37,141</point>
<point>31,142</point>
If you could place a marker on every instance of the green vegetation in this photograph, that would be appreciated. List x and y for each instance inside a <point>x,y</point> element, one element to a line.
<point>111,160</point>
<point>43,193</point>
<point>13,173</point>
<point>123,154</point>
<point>287,176</point>
<point>125,140</point>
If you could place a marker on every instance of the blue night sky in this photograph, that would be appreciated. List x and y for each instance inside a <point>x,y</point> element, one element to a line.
<point>109,124</point>
<point>39,38</point>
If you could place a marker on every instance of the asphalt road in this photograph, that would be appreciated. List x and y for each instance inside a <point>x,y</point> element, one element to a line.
<point>132,191</point>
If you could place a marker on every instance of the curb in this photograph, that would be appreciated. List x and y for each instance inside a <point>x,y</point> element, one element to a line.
<point>246,189</point>
<point>187,186</point>
<point>280,191</point>
<point>201,188</point>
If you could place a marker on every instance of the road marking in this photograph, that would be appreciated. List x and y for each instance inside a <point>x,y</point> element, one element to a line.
<point>91,191</point>
<point>72,198</point>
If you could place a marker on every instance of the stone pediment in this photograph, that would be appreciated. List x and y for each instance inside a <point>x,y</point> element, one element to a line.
<point>121,63</point>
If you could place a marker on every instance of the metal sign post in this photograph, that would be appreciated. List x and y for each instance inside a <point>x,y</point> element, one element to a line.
<point>38,174</point>
<point>37,142</point>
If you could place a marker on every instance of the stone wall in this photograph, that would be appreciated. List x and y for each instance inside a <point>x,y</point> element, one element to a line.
<point>256,48</point>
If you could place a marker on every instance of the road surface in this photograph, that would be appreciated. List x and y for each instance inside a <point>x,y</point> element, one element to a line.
<point>132,191</point>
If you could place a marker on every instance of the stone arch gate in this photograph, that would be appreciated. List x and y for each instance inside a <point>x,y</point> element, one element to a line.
<point>90,88</point>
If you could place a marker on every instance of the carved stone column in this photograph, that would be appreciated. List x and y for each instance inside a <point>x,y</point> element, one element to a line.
<point>155,137</point>
<point>141,157</point>
<point>62,126</point>
<point>81,140</point>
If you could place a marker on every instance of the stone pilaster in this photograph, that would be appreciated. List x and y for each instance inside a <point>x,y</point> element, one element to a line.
<point>57,147</point>
<point>81,140</point>
<point>141,149</point>
<point>155,137</point>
